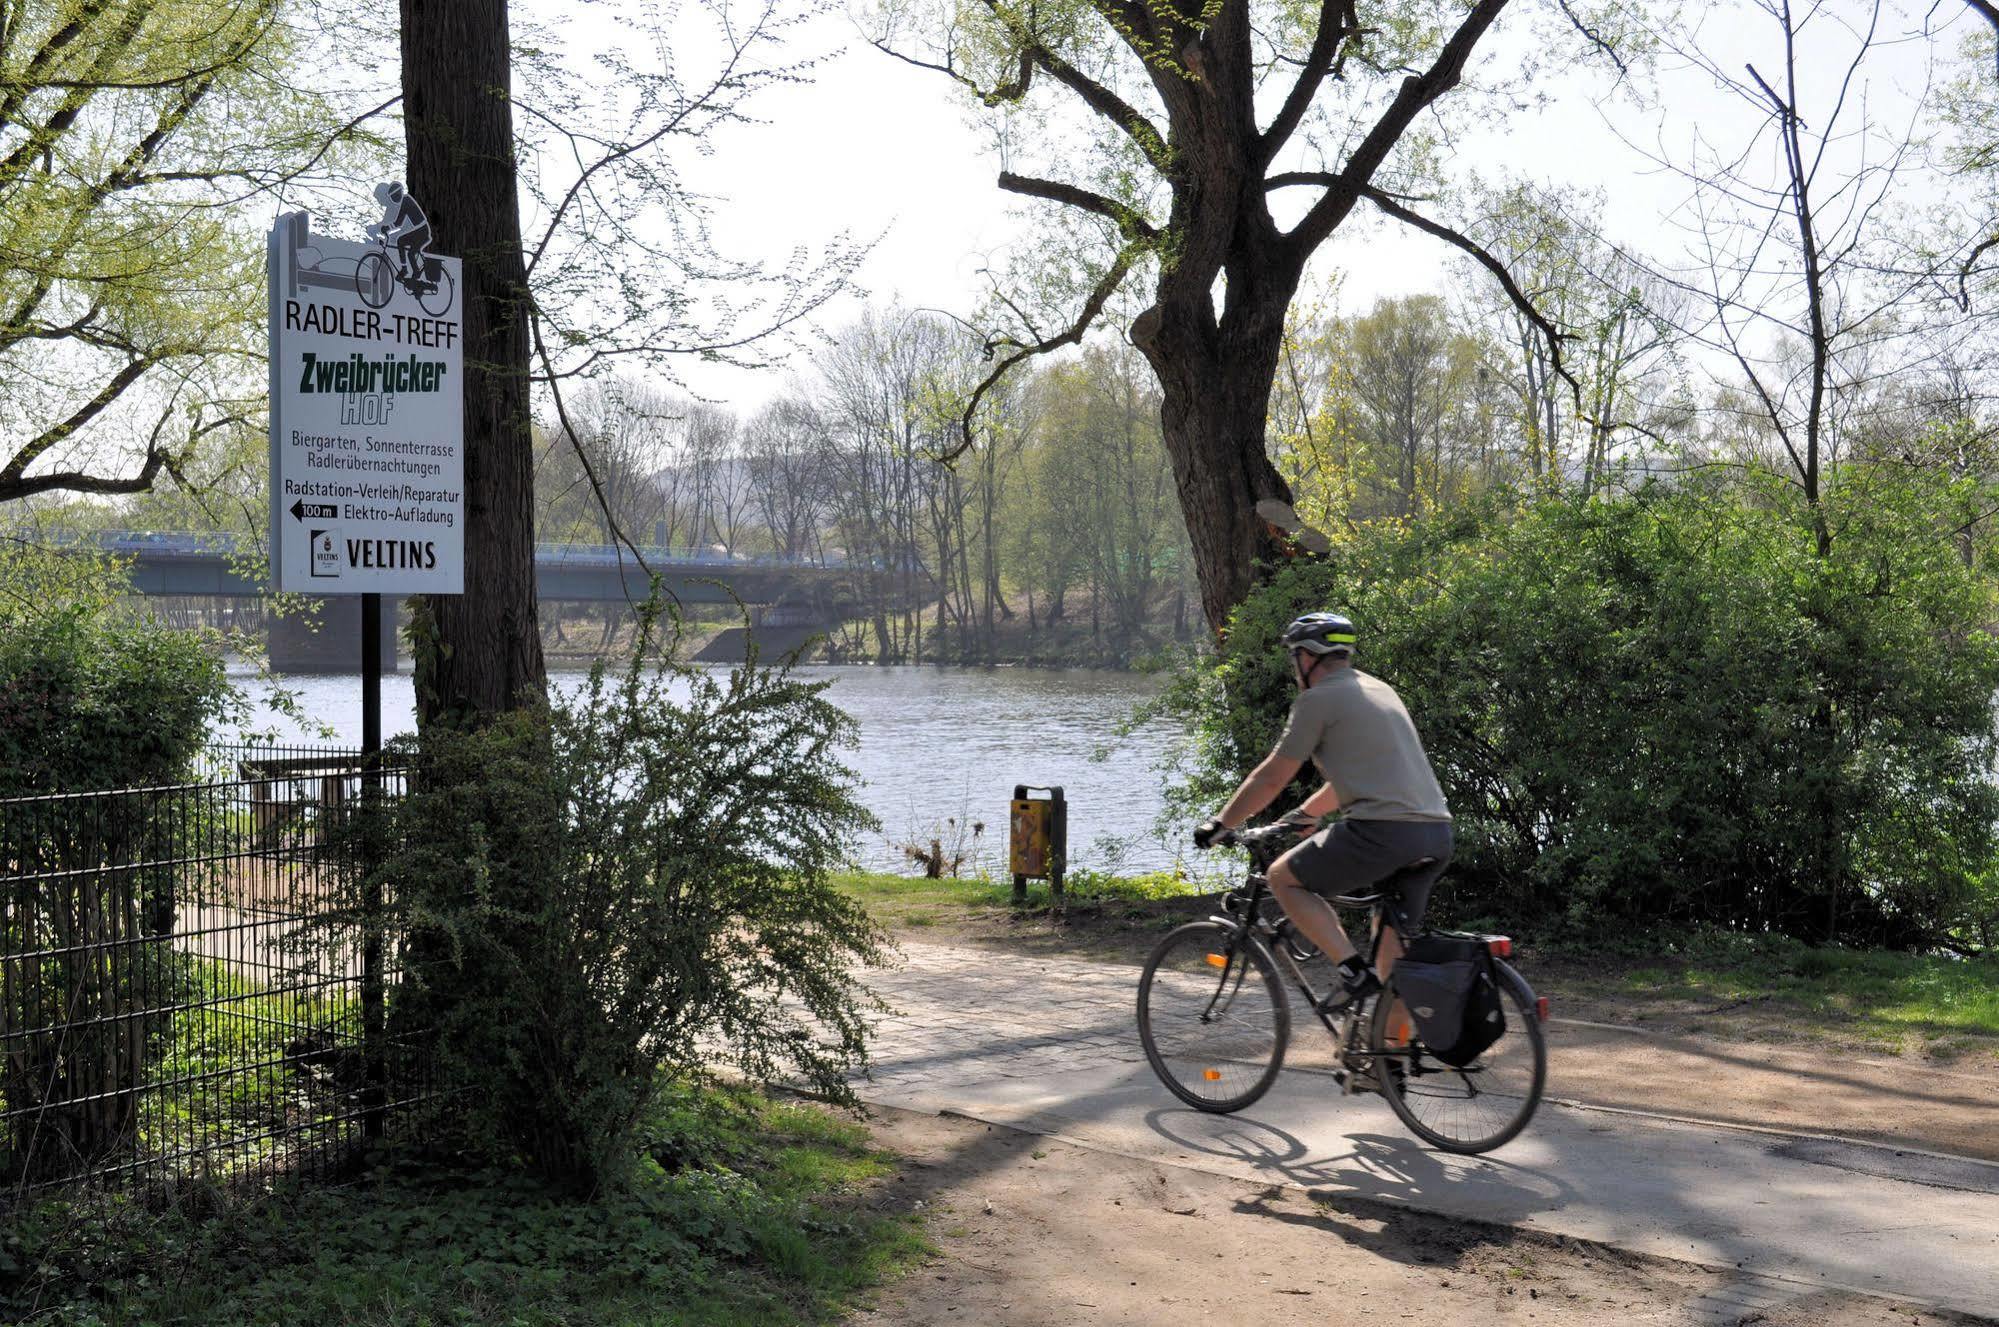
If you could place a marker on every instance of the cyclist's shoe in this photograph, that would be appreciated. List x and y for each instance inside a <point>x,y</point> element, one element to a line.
<point>1353,982</point>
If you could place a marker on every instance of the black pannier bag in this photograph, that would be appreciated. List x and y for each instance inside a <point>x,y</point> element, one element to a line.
<point>1448,983</point>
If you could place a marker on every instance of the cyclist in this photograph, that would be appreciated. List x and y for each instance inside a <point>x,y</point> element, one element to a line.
<point>1356,731</point>
<point>404,223</point>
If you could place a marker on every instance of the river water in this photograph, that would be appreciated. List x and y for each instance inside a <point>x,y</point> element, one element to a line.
<point>937,745</point>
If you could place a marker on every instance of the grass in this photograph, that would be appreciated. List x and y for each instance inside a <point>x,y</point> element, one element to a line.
<point>914,901</point>
<point>1945,1004</point>
<point>747,1211</point>
<point>1106,917</point>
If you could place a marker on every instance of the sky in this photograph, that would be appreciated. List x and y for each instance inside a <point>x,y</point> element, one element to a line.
<point>875,147</point>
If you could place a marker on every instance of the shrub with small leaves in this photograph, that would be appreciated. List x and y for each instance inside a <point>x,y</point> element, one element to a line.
<point>636,877</point>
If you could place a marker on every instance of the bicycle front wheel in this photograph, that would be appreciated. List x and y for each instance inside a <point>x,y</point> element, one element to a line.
<point>1213,1017</point>
<point>1481,1105</point>
<point>374,280</point>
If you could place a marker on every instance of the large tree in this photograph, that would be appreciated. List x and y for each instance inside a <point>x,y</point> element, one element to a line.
<point>1201,113</point>
<point>478,653</point>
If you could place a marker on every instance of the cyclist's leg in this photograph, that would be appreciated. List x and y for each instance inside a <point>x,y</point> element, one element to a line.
<point>1343,858</point>
<point>412,246</point>
<point>1410,841</point>
<point>1311,914</point>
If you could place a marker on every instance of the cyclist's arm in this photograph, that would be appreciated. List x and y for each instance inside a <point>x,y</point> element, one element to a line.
<point>1259,789</point>
<point>1274,775</point>
<point>1323,802</point>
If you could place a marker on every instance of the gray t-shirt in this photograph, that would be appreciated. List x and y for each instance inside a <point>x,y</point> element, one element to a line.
<point>1355,730</point>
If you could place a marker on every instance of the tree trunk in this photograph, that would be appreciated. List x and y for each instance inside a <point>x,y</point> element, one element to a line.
<point>1215,384</point>
<point>478,654</point>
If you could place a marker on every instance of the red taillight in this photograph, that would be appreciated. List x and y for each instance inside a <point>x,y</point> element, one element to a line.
<point>1541,1008</point>
<point>1500,945</point>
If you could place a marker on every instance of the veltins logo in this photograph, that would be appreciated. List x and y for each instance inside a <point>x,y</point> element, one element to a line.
<point>325,553</point>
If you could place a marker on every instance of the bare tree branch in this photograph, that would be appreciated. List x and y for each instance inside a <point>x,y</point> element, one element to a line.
<point>1417,92</point>
<point>1593,37</point>
<point>1099,296</point>
<point>1338,22</point>
<point>1983,247</point>
<point>1552,334</point>
<point>1128,220</point>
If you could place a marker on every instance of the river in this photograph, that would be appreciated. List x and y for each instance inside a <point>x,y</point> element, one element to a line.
<point>936,745</point>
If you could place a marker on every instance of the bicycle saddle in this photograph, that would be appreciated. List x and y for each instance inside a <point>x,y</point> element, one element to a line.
<point>1390,883</point>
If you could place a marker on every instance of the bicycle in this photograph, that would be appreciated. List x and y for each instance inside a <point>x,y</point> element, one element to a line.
<point>377,272</point>
<point>1217,1039</point>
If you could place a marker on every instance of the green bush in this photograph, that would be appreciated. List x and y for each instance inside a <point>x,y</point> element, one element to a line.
<point>638,876</point>
<point>1667,706</point>
<point>87,704</point>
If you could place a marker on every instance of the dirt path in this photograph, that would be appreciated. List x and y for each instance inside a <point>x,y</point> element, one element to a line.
<point>1032,1231</point>
<point>1906,1102</point>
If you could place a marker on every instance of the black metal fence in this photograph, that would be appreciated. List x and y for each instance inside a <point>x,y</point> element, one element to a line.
<point>185,991</point>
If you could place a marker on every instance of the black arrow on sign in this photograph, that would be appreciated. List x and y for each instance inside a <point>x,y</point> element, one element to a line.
<point>317,511</point>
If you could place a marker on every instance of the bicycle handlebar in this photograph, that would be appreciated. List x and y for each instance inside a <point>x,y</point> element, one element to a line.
<point>1248,837</point>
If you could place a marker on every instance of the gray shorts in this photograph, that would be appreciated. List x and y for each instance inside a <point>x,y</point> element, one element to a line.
<point>1349,856</point>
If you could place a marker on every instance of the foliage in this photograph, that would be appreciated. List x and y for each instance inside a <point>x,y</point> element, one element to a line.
<point>128,299</point>
<point>637,876</point>
<point>1667,706</point>
<point>742,1213</point>
<point>1095,507</point>
<point>88,701</point>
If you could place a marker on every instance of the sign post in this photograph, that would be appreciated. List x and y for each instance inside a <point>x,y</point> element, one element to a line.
<point>367,457</point>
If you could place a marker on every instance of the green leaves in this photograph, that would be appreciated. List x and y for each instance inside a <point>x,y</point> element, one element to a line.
<point>129,295</point>
<point>637,876</point>
<point>1667,706</point>
<point>87,702</point>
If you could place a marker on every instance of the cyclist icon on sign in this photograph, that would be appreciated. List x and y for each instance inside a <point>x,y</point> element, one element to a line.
<point>404,223</point>
<point>409,264</point>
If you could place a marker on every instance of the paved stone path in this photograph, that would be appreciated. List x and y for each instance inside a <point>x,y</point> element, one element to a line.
<point>969,1015</point>
<point>1050,1045</point>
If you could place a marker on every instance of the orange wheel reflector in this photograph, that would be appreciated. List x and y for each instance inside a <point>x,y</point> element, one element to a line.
<point>1541,1008</point>
<point>1217,961</point>
<point>1212,1075</point>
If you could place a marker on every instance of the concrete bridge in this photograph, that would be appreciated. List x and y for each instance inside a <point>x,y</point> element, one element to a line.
<point>783,591</point>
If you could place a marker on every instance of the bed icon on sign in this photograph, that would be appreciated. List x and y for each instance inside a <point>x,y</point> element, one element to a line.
<point>325,553</point>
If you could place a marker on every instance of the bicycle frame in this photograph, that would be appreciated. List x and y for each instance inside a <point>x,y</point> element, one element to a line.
<point>1342,1024</point>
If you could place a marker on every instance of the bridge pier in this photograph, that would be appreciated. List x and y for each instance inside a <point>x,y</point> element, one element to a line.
<point>331,641</point>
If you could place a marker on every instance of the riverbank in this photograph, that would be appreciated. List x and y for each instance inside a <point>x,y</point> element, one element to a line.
<point>1078,639</point>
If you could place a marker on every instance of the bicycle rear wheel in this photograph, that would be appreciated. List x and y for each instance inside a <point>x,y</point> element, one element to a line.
<point>1482,1105</point>
<point>1213,1017</point>
<point>436,299</point>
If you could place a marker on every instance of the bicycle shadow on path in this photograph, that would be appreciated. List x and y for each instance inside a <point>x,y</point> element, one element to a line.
<point>1377,1176</point>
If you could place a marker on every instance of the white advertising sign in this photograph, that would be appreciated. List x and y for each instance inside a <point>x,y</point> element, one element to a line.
<point>367,409</point>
